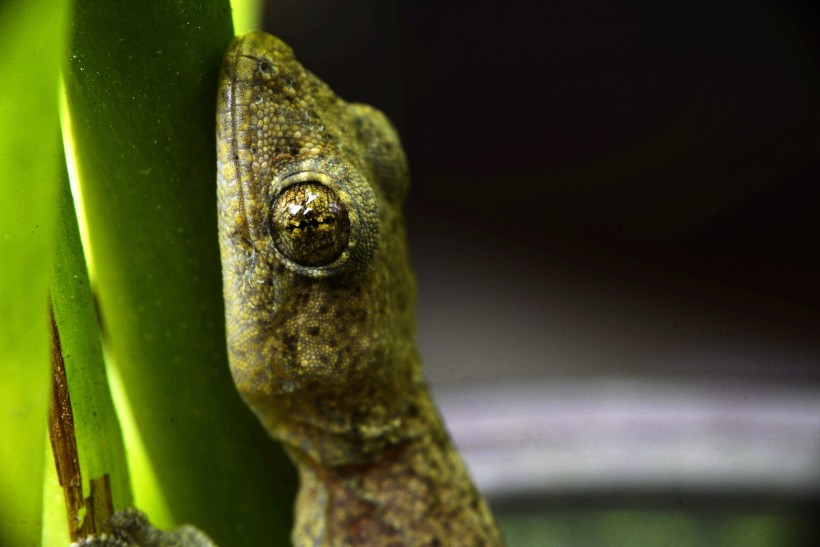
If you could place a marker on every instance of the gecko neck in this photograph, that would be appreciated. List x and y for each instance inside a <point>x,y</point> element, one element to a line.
<point>415,492</point>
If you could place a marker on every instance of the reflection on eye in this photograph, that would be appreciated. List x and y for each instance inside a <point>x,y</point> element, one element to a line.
<point>309,224</point>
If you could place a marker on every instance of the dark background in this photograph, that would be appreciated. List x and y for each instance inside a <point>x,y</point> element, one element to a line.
<point>599,189</point>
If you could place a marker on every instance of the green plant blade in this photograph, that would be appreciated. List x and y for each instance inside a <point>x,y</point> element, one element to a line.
<point>246,15</point>
<point>31,39</point>
<point>96,428</point>
<point>141,85</point>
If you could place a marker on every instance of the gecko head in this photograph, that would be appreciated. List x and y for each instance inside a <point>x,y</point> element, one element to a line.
<point>317,283</point>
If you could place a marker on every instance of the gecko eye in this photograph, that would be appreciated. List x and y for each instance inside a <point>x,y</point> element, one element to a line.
<point>309,224</point>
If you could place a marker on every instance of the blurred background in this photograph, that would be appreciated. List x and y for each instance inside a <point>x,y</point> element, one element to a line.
<point>613,220</point>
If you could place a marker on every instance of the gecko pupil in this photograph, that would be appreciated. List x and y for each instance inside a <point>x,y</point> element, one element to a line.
<point>309,224</point>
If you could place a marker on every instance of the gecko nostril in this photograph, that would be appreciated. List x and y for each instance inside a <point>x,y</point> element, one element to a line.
<point>265,66</point>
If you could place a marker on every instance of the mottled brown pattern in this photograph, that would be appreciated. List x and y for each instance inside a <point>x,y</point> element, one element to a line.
<point>324,353</point>
<point>130,528</point>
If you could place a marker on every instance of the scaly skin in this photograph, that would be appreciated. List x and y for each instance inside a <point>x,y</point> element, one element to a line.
<point>319,301</point>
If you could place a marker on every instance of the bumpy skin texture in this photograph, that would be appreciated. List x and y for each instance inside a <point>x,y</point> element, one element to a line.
<point>130,528</point>
<point>324,353</point>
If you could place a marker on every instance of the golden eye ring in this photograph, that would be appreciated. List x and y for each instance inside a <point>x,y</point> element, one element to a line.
<point>323,219</point>
<point>310,224</point>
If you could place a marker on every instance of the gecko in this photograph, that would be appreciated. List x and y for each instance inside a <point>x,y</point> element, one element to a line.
<point>320,309</point>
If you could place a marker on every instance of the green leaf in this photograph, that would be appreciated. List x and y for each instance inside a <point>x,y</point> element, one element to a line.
<point>141,83</point>
<point>96,428</point>
<point>31,40</point>
<point>246,15</point>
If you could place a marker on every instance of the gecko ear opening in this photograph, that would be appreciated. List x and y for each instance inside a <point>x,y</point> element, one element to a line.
<point>323,219</point>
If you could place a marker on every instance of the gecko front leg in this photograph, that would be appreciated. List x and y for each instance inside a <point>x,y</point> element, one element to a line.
<point>131,528</point>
